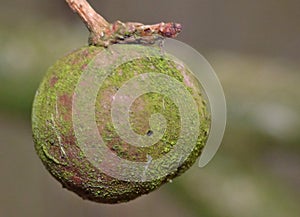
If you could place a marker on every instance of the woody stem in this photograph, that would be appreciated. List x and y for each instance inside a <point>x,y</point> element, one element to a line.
<point>93,21</point>
<point>103,33</point>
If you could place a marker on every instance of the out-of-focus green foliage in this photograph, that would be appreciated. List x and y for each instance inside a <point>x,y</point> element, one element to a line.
<point>256,171</point>
<point>24,60</point>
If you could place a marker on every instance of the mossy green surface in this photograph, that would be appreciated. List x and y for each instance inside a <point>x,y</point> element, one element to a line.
<point>55,140</point>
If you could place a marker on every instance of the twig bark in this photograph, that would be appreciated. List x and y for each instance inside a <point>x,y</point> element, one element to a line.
<point>94,21</point>
<point>103,33</point>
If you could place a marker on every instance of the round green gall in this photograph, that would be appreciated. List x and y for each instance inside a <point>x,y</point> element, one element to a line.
<point>112,124</point>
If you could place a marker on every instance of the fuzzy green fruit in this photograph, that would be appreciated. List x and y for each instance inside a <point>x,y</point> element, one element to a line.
<point>56,141</point>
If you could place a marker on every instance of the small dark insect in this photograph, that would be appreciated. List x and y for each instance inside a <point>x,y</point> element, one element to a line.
<point>149,133</point>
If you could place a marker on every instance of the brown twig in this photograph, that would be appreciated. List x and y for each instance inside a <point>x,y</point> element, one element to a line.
<point>103,33</point>
<point>90,17</point>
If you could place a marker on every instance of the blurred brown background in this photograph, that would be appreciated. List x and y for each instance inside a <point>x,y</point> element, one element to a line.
<point>254,48</point>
